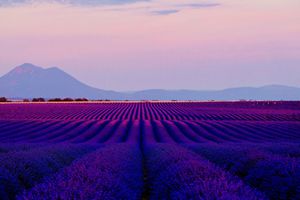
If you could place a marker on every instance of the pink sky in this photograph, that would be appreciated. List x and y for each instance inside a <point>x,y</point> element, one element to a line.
<point>158,44</point>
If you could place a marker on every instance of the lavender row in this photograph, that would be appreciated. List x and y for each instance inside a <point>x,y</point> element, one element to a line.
<point>113,172</point>
<point>277,176</point>
<point>21,170</point>
<point>175,173</point>
<point>15,147</point>
<point>152,131</point>
<point>283,149</point>
<point>151,111</point>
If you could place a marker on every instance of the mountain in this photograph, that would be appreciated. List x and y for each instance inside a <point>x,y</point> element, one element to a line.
<point>29,81</point>
<point>271,92</point>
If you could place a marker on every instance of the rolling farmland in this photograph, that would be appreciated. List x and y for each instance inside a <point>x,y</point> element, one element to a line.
<point>149,122</point>
<point>150,150</point>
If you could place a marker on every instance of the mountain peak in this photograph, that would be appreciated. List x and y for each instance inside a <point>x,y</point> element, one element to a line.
<point>27,65</point>
<point>29,81</point>
<point>26,68</point>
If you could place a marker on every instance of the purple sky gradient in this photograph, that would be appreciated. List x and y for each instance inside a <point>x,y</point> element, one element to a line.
<point>178,44</point>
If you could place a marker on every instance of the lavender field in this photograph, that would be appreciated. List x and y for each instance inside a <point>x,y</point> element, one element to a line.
<point>150,150</point>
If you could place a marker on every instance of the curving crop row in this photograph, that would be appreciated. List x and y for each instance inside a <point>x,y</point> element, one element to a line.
<point>145,111</point>
<point>283,149</point>
<point>113,172</point>
<point>19,147</point>
<point>21,170</point>
<point>161,131</point>
<point>159,171</point>
<point>175,173</point>
<point>277,176</point>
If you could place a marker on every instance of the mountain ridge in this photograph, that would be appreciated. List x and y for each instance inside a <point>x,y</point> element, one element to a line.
<point>29,81</point>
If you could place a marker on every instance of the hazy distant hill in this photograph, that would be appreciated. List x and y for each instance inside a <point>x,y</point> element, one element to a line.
<point>28,81</point>
<point>272,92</point>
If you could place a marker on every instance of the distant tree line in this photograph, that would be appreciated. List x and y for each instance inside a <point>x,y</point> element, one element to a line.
<point>38,100</point>
<point>67,99</point>
<point>3,99</point>
<point>56,100</point>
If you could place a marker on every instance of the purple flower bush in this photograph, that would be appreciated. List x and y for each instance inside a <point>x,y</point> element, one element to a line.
<point>176,173</point>
<point>21,170</point>
<point>8,185</point>
<point>113,172</point>
<point>284,149</point>
<point>20,147</point>
<point>277,176</point>
<point>12,147</point>
<point>232,157</point>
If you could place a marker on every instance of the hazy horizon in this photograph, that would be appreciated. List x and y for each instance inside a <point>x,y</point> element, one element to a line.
<point>15,70</point>
<point>137,45</point>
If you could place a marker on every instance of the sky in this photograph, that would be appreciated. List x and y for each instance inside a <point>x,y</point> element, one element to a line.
<point>128,45</point>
